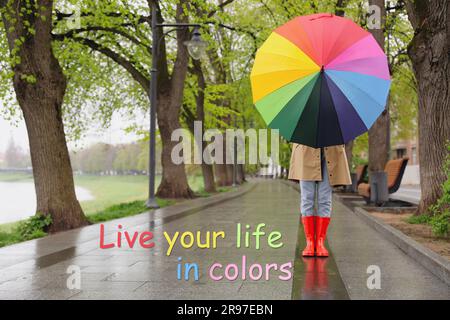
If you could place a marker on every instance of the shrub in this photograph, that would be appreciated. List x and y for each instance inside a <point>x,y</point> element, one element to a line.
<point>34,227</point>
<point>421,219</point>
<point>440,223</point>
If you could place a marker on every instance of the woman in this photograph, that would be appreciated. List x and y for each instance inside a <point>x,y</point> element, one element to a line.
<point>318,170</point>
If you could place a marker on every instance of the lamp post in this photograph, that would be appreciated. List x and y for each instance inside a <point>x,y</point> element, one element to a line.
<point>196,46</point>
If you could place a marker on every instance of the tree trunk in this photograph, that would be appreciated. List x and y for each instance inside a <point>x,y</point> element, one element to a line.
<point>52,171</point>
<point>40,98</point>
<point>221,174</point>
<point>170,98</point>
<point>379,134</point>
<point>429,53</point>
<point>224,172</point>
<point>174,182</point>
<point>207,169</point>
<point>229,168</point>
<point>349,153</point>
<point>222,76</point>
<point>208,178</point>
<point>240,174</point>
<point>230,174</point>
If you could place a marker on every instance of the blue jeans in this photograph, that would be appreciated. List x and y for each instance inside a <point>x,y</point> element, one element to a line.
<point>308,190</point>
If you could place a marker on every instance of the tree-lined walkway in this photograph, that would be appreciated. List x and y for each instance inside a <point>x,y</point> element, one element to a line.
<point>37,269</point>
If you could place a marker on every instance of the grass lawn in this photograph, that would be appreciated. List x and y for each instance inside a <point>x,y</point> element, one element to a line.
<point>15,177</point>
<point>113,190</point>
<point>8,227</point>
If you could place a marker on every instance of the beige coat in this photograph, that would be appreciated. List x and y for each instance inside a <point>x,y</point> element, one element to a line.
<point>305,164</point>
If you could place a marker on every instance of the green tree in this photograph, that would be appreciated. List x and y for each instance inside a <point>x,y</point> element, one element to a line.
<point>39,85</point>
<point>120,31</point>
<point>428,51</point>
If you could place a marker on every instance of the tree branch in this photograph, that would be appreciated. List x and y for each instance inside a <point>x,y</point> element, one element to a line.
<point>398,6</point>
<point>270,11</point>
<point>237,29</point>
<point>188,116</point>
<point>219,7</point>
<point>124,34</point>
<point>59,16</point>
<point>127,65</point>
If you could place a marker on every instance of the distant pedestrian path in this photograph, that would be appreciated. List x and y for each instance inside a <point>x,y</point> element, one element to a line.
<point>38,269</point>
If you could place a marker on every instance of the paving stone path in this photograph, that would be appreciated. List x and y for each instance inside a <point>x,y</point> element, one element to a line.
<point>38,269</point>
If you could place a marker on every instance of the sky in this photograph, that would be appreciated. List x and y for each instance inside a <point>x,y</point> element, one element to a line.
<point>18,132</point>
<point>113,135</point>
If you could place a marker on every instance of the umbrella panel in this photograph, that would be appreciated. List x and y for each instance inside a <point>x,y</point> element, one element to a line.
<point>286,120</point>
<point>350,123</point>
<point>319,125</point>
<point>358,90</point>
<point>278,62</point>
<point>271,105</point>
<point>306,129</point>
<point>365,56</point>
<point>329,132</point>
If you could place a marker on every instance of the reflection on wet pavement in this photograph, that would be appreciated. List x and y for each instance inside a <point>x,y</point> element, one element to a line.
<point>316,278</point>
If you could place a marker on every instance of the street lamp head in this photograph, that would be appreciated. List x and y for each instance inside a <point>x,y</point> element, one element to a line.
<point>196,46</point>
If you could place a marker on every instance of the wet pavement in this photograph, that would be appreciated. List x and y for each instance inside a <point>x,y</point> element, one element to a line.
<point>38,269</point>
<point>360,251</point>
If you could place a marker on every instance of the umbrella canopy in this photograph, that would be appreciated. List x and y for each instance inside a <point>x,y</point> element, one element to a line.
<point>321,80</point>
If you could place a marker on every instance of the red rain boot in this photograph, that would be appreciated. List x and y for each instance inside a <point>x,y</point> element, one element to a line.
<point>308,227</point>
<point>321,234</point>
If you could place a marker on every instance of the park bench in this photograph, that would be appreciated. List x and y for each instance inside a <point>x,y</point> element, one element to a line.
<point>357,178</point>
<point>394,170</point>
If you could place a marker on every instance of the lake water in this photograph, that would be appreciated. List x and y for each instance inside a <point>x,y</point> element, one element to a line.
<point>18,200</point>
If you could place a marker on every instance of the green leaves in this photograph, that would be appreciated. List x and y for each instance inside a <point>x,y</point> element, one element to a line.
<point>34,227</point>
<point>98,87</point>
<point>29,78</point>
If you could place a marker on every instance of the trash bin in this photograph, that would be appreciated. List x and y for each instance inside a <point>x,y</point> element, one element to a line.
<point>379,193</point>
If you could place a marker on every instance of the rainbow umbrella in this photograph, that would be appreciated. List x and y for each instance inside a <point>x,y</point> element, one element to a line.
<point>321,80</point>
